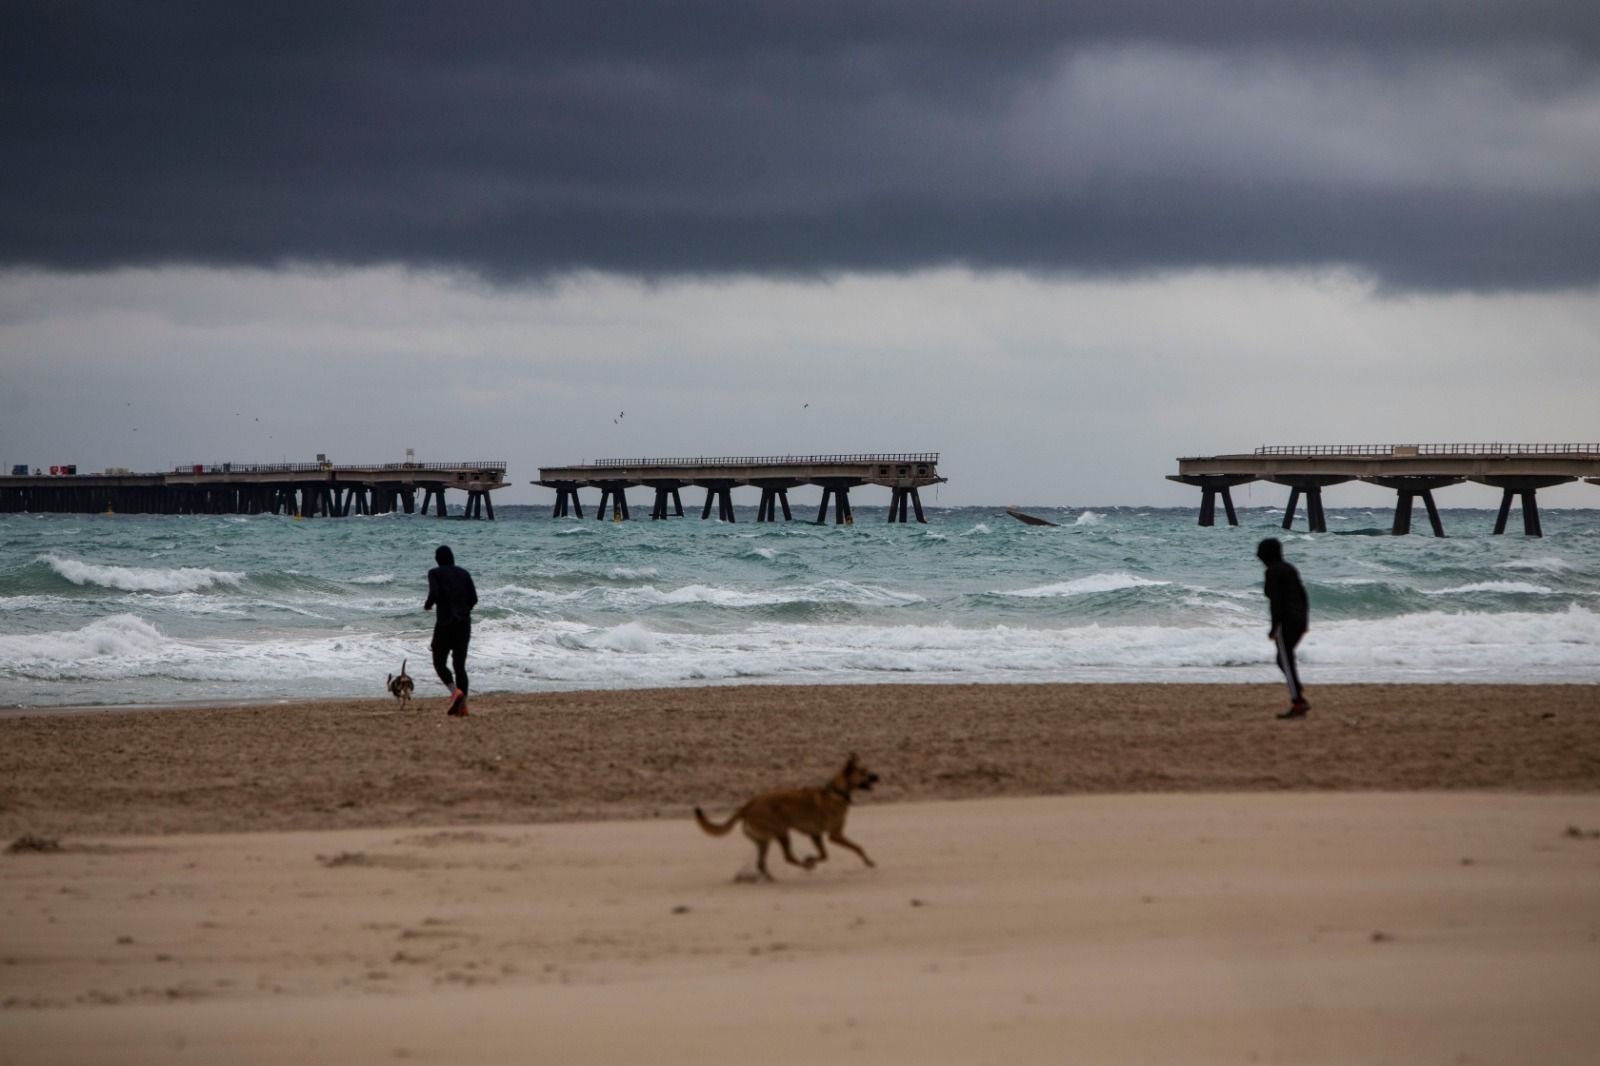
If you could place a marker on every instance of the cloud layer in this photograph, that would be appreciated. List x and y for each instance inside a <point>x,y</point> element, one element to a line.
<point>1429,145</point>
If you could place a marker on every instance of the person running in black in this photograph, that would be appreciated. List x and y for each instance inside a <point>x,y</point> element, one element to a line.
<point>1290,619</point>
<point>450,588</point>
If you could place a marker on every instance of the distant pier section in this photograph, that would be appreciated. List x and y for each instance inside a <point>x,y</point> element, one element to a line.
<point>1413,471</point>
<point>305,490</point>
<point>903,473</point>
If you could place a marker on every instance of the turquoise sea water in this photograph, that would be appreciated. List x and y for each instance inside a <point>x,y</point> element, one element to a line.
<point>145,610</point>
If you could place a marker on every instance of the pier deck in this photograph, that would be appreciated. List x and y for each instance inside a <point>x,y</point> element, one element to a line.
<point>903,473</point>
<point>1413,471</point>
<point>307,490</point>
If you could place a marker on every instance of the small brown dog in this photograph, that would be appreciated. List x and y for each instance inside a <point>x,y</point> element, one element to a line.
<point>400,686</point>
<point>812,811</point>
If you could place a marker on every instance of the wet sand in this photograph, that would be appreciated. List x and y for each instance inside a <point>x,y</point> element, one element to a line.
<point>1117,874</point>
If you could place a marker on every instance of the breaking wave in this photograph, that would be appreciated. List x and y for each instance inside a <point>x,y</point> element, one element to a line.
<point>139,579</point>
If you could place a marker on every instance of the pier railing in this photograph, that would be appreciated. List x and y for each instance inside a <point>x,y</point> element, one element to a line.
<point>319,468</point>
<point>1428,449</point>
<point>773,460</point>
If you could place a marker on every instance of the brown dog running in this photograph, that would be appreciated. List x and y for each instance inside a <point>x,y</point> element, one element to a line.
<point>812,811</point>
<point>400,686</point>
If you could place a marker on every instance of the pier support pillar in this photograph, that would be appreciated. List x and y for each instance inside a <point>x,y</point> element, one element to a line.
<point>1409,488</point>
<point>1208,504</point>
<point>898,500</point>
<point>666,494</point>
<point>1528,488</point>
<point>1210,486</point>
<point>721,494</point>
<point>774,494</point>
<point>838,493</point>
<point>1311,486</point>
<point>614,493</point>
<point>567,496</point>
<point>767,510</point>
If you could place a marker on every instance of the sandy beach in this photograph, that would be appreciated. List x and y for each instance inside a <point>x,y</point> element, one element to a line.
<point>1094,873</point>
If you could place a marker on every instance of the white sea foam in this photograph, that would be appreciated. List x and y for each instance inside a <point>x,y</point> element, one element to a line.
<point>520,653</point>
<point>831,591</point>
<point>1519,587</point>
<point>628,637</point>
<point>1085,586</point>
<point>139,579</point>
<point>632,573</point>
<point>766,553</point>
<point>1544,564</point>
<point>641,597</point>
<point>118,636</point>
<point>1089,518</point>
<point>373,579</point>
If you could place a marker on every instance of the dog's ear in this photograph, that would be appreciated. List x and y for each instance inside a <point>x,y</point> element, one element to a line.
<point>388,680</point>
<point>851,761</point>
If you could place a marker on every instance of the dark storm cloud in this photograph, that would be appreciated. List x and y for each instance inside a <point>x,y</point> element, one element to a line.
<point>1433,144</point>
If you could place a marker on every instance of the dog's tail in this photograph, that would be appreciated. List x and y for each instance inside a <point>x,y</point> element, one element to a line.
<point>403,665</point>
<point>712,827</point>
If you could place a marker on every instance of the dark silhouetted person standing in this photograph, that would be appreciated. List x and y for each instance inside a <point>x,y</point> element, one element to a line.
<point>451,590</point>
<point>1290,619</point>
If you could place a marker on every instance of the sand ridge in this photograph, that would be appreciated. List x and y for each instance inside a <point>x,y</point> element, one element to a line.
<point>656,753</point>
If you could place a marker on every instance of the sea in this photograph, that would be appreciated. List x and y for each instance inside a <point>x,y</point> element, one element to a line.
<point>125,610</point>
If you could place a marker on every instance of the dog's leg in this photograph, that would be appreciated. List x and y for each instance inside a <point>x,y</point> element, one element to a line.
<point>788,853</point>
<point>761,858</point>
<point>822,852</point>
<point>838,837</point>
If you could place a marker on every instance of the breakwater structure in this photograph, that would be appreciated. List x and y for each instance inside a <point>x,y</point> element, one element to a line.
<point>1413,471</point>
<point>307,490</point>
<point>903,473</point>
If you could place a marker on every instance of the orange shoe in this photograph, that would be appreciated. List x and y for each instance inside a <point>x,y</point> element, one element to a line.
<point>458,704</point>
<point>1297,709</point>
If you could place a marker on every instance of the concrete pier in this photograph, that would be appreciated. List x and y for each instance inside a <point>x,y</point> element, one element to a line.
<point>1412,470</point>
<point>307,490</point>
<point>903,473</point>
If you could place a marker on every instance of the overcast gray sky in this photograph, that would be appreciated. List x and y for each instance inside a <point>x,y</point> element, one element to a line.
<point>1060,244</point>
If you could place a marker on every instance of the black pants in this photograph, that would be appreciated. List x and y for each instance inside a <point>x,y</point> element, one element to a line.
<point>1287,636</point>
<point>450,641</point>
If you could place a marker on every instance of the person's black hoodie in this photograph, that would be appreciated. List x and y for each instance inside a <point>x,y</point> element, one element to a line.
<point>450,589</point>
<point>1283,588</point>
